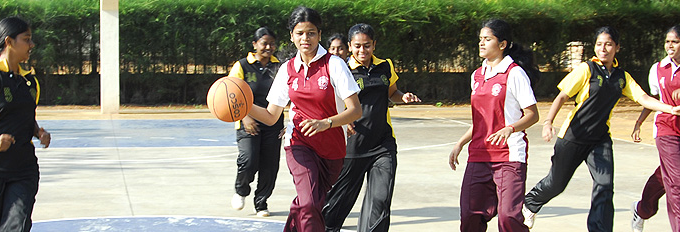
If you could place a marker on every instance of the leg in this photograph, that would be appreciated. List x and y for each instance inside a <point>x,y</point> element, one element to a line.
<point>653,191</point>
<point>375,210</point>
<point>248,159</point>
<point>566,158</point>
<point>270,155</point>
<point>17,204</point>
<point>313,176</point>
<point>669,151</point>
<point>477,197</point>
<point>510,179</point>
<point>345,192</point>
<point>600,162</point>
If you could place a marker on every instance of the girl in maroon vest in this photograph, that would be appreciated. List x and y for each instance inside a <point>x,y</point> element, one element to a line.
<point>503,106</point>
<point>663,83</point>
<point>319,87</point>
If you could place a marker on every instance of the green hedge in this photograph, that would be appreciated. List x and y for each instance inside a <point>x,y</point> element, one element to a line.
<point>170,37</point>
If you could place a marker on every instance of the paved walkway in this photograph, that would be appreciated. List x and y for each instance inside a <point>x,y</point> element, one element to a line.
<point>144,164</point>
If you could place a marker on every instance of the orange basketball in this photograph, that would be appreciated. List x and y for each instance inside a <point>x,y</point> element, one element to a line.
<point>230,99</point>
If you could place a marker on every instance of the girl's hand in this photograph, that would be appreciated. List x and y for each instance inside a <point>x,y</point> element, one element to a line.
<point>6,140</point>
<point>548,131</point>
<point>501,136</point>
<point>44,137</point>
<point>453,157</point>
<point>410,97</point>
<point>636,134</point>
<point>350,130</point>
<point>310,127</point>
<point>250,125</point>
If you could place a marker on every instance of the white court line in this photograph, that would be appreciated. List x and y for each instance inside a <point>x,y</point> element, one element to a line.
<point>170,160</point>
<point>428,146</point>
<point>209,140</point>
<point>65,138</point>
<point>114,137</point>
<point>167,138</point>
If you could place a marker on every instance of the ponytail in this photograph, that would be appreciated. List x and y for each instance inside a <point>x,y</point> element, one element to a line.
<point>524,57</point>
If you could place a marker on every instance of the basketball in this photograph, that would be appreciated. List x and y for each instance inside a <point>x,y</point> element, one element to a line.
<point>230,99</point>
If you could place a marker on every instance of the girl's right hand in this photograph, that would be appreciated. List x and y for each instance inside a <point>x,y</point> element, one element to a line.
<point>6,140</point>
<point>453,157</point>
<point>350,129</point>
<point>548,131</point>
<point>636,134</point>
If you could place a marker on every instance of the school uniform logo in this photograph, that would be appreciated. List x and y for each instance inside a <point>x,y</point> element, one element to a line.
<point>323,82</point>
<point>622,83</point>
<point>385,80</point>
<point>295,84</point>
<point>496,89</point>
<point>251,77</point>
<point>474,88</point>
<point>8,94</point>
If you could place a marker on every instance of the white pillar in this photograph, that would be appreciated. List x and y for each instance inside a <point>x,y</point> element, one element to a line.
<point>109,53</point>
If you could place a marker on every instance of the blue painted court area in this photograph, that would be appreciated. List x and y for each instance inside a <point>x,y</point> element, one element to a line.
<point>139,133</point>
<point>157,224</point>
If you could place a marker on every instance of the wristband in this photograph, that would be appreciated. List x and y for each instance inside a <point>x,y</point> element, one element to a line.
<point>512,127</point>
<point>330,122</point>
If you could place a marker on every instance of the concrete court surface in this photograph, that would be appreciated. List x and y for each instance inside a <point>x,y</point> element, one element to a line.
<point>179,179</point>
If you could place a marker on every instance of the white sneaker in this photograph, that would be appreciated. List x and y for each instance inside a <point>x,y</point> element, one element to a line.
<point>263,213</point>
<point>637,223</point>
<point>238,201</point>
<point>529,217</point>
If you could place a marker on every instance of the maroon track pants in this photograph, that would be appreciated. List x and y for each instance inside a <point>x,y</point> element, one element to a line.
<point>491,189</point>
<point>669,152</point>
<point>653,191</point>
<point>313,176</point>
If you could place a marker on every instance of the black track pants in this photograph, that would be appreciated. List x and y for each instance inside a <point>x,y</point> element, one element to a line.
<point>257,154</point>
<point>567,157</point>
<point>380,171</point>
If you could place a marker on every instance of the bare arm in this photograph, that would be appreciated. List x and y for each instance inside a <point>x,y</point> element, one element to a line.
<point>310,127</point>
<point>530,118</point>
<point>267,116</point>
<point>397,96</point>
<point>653,104</point>
<point>453,157</point>
<point>548,129</point>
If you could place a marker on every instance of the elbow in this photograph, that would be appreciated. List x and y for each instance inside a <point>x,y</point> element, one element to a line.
<point>356,114</point>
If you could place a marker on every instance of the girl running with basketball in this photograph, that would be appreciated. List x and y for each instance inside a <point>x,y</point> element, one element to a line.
<point>323,97</point>
<point>584,137</point>
<point>663,83</point>
<point>371,146</point>
<point>503,106</point>
<point>259,145</point>
<point>19,173</point>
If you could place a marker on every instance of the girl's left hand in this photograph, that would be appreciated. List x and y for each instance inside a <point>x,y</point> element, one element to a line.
<point>410,97</point>
<point>310,127</point>
<point>501,136</point>
<point>45,137</point>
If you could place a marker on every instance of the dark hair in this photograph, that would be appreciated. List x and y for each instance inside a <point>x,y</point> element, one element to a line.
<point>304,14</point>
<point>613,33</point>
<point>524,57</point>
<point>342,38</point>
<point>675,29</point>
<point>361,28</point>
<point>261,32</point>
<point>11,26</point>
